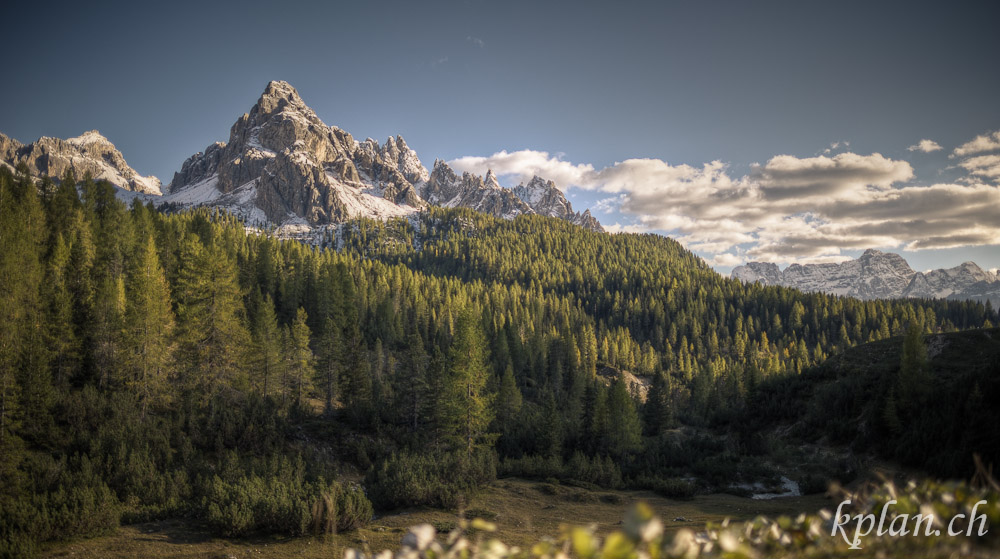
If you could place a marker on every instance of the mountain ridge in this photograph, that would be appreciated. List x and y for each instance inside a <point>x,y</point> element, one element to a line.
<point>89,152</point>
<point>878,275</point>
<point>282,165</point>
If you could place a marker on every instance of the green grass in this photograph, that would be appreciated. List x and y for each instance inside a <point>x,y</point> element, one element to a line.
<point>523,513</point>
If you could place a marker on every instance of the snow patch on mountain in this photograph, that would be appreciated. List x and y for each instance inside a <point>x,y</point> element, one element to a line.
<point>878,275</point>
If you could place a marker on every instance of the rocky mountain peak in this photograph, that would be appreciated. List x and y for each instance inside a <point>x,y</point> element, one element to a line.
<point>87,138</point>
<point>545,198</point>
<point>90,153</point>
<point>491,179</point>
<point>277,96</point>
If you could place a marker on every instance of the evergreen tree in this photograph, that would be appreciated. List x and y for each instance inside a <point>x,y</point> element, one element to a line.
<point>508,401</point>
<point>267,362</point>
<point>301,361</point>
<point>624,433</point>
<point>411,382</point>
<point>467,407</point>
<point>328,363</point>
<point>212,339</point>
<point>149,325</point>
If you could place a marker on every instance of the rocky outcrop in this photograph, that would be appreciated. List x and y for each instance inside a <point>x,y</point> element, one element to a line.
<point>303,169</point>
<point>545,199</point>
<point>965,281</point>
<point>765,273</point>
<point>484,194</point>
<point>877,275</point>
<point>445,188</point>
<point>91,153</point>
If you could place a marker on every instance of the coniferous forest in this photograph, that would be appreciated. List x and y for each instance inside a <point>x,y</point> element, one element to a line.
<point>158,365</point>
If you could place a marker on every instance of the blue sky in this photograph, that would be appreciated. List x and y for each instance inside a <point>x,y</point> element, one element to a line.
<point>749,130</point>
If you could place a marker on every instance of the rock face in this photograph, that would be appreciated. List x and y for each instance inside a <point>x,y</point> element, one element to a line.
<point>484,194</point>
<point>765,273</point>
<point>966,281</point>
<point>545,199</point>
<point>89,153</point>
<point>300,169</point>
<point>878,275</point>
<point>445,188</point>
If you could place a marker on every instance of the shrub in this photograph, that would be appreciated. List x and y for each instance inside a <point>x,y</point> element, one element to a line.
<point>434,479</point>
<point>670,488</point>
<point>255,504</point>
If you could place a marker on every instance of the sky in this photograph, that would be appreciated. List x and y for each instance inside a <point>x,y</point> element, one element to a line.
<point>770,131</point>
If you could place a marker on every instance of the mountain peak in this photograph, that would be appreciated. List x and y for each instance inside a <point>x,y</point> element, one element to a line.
<point>538,182</point>
<point>491,179</point>
<point>88,137</point>
<point>278,95</point>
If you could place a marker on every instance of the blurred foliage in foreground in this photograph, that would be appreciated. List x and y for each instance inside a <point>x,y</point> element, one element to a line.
<point>642,535</point>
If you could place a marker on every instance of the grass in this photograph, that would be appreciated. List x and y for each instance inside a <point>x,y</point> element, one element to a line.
<point>523,510</point>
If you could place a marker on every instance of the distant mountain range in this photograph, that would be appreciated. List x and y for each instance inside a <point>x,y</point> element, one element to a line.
<point>283,165</point>
<point>879,275</point>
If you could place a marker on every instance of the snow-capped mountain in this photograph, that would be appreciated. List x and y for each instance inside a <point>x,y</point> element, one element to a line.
<point>445,188</point>
<point>484,194</point>
<point>878,275</point>
<point>543,197</point>
<point>88,153</point>
<point>284,166</point>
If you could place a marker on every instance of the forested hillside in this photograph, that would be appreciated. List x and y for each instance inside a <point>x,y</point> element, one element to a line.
<point>155,365</point>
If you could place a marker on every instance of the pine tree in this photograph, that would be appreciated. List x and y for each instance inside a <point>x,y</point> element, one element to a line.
<point>328,363</point>
<point>467,407</point>
<point>657,413</point>
<point>624,434</point>
<point>301,360</point>
<point>149,325</point>
<point>411,382</point>
<point>211,336</point>
<point>267,362</point>
<point>509,401</point>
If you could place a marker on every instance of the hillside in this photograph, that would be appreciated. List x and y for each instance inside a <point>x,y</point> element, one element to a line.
<point>860,399</point>
<point>161,365</point>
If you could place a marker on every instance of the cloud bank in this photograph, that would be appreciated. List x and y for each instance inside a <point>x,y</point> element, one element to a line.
<point>789,209</point>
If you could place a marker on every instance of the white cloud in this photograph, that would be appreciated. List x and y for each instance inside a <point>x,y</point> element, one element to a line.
<point>925,146</point>
<point>725,260</point>
<point>610,204</point>
<point>979,144</point>
<point>476,41</point>
<point>983,165</point>
<point>624,228</point>
<point>789,209</point>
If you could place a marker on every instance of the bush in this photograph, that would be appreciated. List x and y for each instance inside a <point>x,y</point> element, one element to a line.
<point>670,488</point>
<point>434,479</point>
<point>255,504</point>
<point>580,470</point>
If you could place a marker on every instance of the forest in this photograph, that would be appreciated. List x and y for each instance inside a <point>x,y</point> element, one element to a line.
<point>163,364</point>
